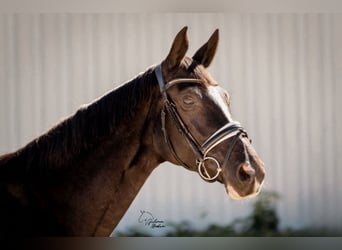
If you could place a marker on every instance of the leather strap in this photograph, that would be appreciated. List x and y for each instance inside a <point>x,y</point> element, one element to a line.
<point>229,130</point>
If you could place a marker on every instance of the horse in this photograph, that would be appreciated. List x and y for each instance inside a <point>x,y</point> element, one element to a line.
<point>80,177</point>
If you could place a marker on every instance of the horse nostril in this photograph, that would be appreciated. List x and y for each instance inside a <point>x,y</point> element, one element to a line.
<point>245,172</point>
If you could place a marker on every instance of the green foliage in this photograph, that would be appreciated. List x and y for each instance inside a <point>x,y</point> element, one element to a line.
<point>264,217</point>
<point>263,221</point>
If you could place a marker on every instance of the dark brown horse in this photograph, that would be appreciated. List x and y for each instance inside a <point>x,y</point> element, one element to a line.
<point>80,177</point>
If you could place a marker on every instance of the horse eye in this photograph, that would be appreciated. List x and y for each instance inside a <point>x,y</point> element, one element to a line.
<point>188,100</point>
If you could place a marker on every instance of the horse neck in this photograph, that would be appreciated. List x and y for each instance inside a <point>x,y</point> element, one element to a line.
<point>136,158</point>
<point>96,179</point>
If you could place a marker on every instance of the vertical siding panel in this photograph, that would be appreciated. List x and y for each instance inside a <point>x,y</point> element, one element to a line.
<point>325,83</point>
<point>289,109</point>
<point>4,138</point>
<point>270,183</point>
<point>281,96</point>
<point>261,103</point>
<point>103,50</point>
<point>277,133</point>
<point>249,89</point>
<point>129,51</point>
<point>221,60</point>
<point>315,113</point>
<point>337,69</point>
<point>323,88</point>
<point>306,114</point>
<point>236,86</point>
<point>302,120</point>
<point>37,75</point>
<point>89,82</point>
<point>115,48</point>
<point>42,67</point>
<point>77,60</point>
<point>23,73</point>
<point>12,81</point>
<point>328,121</point>
<point>49,84</point>
<point>63,63</point>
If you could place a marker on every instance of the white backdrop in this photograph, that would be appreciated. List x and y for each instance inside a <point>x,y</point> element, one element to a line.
<point>283,72</point>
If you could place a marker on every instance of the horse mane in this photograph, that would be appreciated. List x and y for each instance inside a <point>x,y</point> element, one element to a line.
<point>82,131</point>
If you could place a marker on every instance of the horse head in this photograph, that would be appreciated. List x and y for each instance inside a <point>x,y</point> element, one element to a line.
<point>197,128</point>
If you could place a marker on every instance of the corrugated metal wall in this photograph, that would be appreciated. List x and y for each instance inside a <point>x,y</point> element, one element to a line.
<point>283,71</point>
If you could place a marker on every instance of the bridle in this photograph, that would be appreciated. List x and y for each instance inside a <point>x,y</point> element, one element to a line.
<point>230,130</point>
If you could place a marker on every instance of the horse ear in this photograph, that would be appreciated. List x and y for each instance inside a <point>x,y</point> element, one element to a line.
<point>179,48</point>
<point>207,52</point>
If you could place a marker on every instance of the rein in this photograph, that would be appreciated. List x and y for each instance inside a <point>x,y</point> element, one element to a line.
<point>201,151</point>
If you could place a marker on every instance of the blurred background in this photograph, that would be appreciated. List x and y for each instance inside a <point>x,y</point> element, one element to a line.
<point>282,70</point>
